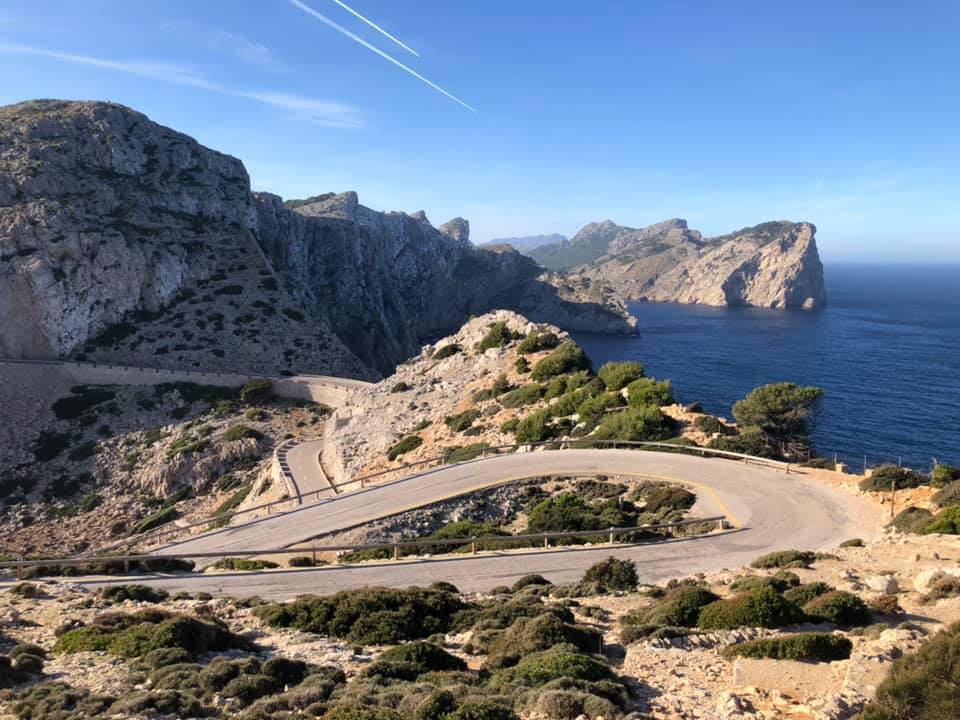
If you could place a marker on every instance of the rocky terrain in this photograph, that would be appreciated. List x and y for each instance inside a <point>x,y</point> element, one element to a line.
<point>476,388</point>
<point>526,243</point>
<point>85,466</point>
<point>773,265</point>
<point>123,240</point>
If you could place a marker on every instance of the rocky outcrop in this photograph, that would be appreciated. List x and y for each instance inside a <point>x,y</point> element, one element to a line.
<point>387,282</point>
<point>773,265</point>
<point>125,241</point>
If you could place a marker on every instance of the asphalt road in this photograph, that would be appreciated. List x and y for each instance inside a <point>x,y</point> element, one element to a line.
<point>307,473</point>
<point>774,511</point>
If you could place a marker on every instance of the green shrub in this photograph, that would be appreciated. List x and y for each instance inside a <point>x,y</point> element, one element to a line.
<point>240,432</point>
<point>526,580</point>
<point>134,592</point>
<point>481,710</point>
<point>400,387</point>
<point>525,395</point>
<point>645,423</point>
<point>522,366</point>
<point>948,495</point>
<point>946,522</point>
<point>299,561</point>
<point>562,661</point>
<point>820,463</point>
<point>362,712</point>
<point>784,559</point>
<point>247,688</point>
<point>537,341</point>
<point>945,587</point>
<point>784,413</point>
<point>497,336</point>
<point>680,608</point>
<point>649,391</point>
<point>244,564</point>
<point>942,475</point>
<point>803,594</point>
<point>592,410</point>
<point>424,656</point>
<point>912,520</point>
<point>256,392</point>
<point>764,607</point>
<point>617,375</point>
<point>510,426</point>
<point>612,574</point>
<point>852,542</point>
<point>533,634</point>
<point>884,477</point>
<point>460,422</point>
<point>82,399</point>
<point>534,428</point>
<point>658,497</point>
<point>369,616</point>
<point>446,351</point>
<point>840,608</point>
<point>922,685</point>
<point>161,517</point>
<point>749,441</point>
<point>709,425</point>
<point>464,453</point>
<point>403,446</point>
<point>59,701</point>
<point>567,357</point>
<point>817,647</point>
<point>134,637</point>
<point>25,590</point>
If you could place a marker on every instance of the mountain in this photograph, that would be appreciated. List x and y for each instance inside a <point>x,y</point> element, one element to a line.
<point>772,265</point>
<point>124,241</point>
<point>527,243</point>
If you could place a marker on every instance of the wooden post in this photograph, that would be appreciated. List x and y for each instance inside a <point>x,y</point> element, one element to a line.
<point>893,497</point>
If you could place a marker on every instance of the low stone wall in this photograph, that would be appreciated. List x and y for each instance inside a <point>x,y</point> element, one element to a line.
<point>317,388</point>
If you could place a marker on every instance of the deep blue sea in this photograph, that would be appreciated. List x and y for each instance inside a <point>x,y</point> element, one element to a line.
<point>886,350</point>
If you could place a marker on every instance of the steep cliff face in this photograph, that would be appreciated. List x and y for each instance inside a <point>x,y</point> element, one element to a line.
<point>126,241</point>
<point>389,281</point>
<point>772,265</point>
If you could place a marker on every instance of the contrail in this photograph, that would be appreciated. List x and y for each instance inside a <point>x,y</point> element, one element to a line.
<point>342,30</point>
<point>376,27</point>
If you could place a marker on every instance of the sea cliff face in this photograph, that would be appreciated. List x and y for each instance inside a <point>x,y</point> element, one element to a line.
<point>772,265</point>
<point>126,241</point>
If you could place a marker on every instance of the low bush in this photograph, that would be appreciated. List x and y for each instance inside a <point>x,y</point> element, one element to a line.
<point>912,520</point>
<point>400,387</point>
<point>463,453</point>
<point>888,604</point>
<point>362,712</point>
<point>244,564</point>
<point>679,608</point>
<point>446,351</point>
<point>592,410</point>
<point>240,432</point>
<point>782,581</point>
<point>403,446</point>
<point>852,542</point>
<point>537,341</point>
<point>497,336</point>
<point>533,634</point>
<point>562,661</point>
<point>749,441</point>
<point>803,594</point>
<point>649,391</point>
<point>764,607</point>
<point>527,580</point>
<point>462,421</point>
<point>137,635</point>
<point>134,592</point>
<point>948,495</point>
<point>59,701</point>
<point>945,587</point>
<point>784,559</point>
<point>942,475</point>
<point>661,497</point>
<point>709,425</point>
<point>617,375</point>
<point>524,395</point>
<point>424,656</point>
<point>256,392</point>
<point>883,478</point>
<point>817,647</point>
<point>82,399</point>
<point>644,423</point>
<point>612,574</point>
<point>946,522</point>
<point>300,561</point>
<point>839,607</point>
<point>922,685</point>
<point>25,590</point>
<point>370,615</point>
<point>565,358</point>
<point>161,517</point>
<point>522,366</point>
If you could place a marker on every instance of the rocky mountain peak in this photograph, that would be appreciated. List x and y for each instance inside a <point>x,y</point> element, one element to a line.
<point>457,229</point>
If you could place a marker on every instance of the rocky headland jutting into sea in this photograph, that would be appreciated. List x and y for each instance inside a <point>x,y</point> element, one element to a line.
<point>123,240</point>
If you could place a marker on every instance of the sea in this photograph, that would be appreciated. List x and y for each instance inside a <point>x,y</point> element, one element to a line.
<point>885,350</point>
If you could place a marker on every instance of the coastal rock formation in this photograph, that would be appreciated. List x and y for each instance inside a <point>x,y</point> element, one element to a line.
<point>772,265</point>
<point>125,241</point>
<point>389,281</point>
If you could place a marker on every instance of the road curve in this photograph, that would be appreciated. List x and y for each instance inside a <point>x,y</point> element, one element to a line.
<point>775,510</point>
<point>305,467</point>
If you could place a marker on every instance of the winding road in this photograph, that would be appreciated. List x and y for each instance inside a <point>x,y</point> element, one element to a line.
<point>773,510</point>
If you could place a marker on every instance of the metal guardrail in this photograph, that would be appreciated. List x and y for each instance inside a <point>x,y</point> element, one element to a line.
<point>610,534</point>
<point>157,535</point>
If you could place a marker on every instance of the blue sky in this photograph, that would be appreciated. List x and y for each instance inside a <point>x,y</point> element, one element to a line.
<point>843,114</point>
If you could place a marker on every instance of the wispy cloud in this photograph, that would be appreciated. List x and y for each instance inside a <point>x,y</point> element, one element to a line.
<point>376,27</point>
<point>320,112</point>
<point>248,51</point>
<point>356,38</point>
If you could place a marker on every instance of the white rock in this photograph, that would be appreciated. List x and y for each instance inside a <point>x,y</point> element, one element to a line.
<point>886,584</point>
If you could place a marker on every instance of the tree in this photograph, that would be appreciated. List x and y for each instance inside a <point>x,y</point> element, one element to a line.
<point>785,413</point>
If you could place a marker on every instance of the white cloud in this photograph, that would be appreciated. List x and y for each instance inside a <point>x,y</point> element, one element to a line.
<point>320,112</point>
<point>248,51</point>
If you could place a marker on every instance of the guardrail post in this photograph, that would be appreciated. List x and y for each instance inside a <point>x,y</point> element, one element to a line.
<point>473,547</point>
<point>396,551</point>
<point>313,555</point>
<point>546,542</point>
<point>611,536</point>
<point>788,468</point>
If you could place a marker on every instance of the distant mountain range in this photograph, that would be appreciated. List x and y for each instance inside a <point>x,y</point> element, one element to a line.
<point>527,243</point>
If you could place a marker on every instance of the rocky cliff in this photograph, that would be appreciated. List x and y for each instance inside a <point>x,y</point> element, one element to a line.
<point>389,281</point>
<point>772,265</point>
<point>126,241</point>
